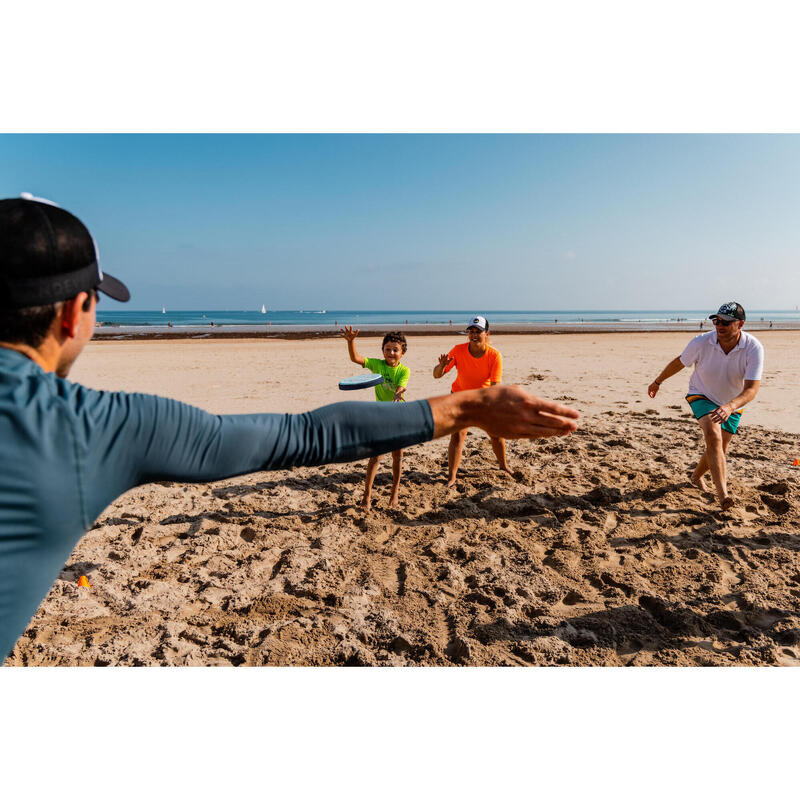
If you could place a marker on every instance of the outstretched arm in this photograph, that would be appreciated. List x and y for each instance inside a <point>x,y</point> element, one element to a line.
<point>673,368</point>
<point>148,438</point>
<point>151,438</point>
<point>348,333</point>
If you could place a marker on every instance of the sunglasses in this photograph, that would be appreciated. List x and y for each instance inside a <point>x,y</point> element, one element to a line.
<point>87,304</point>
<point>722,322</point>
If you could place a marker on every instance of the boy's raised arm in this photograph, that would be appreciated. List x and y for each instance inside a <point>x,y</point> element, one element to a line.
<point>350,335</point>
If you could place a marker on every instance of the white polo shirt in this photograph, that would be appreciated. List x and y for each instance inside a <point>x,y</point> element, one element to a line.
<point>718,376</point>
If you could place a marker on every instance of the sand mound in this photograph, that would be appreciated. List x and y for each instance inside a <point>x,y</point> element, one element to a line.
<point>597,552</point>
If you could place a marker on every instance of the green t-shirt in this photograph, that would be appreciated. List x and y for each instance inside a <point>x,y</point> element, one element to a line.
<point>392,377</point>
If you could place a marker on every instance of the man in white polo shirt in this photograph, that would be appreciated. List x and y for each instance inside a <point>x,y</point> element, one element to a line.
<point>727,373</point>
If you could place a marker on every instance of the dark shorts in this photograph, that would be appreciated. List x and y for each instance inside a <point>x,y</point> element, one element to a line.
<point>701,406</point>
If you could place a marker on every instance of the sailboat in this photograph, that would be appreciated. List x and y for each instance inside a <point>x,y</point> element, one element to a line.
<point>263,309</point>
<point>163,310</point>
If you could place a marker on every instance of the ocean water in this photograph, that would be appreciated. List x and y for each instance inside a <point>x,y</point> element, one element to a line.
<point>330,318</point>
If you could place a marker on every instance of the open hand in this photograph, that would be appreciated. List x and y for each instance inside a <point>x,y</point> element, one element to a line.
<point>348,332</point>
<point>444,360</point>
<point>505,412</point>
<point>398,394</point>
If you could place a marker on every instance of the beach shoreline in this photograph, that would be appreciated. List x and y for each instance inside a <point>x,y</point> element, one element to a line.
<point>296,332</point>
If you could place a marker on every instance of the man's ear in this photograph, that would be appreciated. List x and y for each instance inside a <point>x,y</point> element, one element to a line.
<point>70,316</point>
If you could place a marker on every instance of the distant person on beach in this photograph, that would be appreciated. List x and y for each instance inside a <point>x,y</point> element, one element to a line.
<point>728,363</point>
<point>478,365</point>
<point>67,451</point>
<point>395,380</point>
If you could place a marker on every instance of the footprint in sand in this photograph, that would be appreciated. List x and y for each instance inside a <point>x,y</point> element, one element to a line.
<point>777,504</point>
<point>778,488</point>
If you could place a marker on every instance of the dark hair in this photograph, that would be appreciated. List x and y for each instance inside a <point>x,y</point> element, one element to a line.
<point>27,325</point>
<point>395,336</point>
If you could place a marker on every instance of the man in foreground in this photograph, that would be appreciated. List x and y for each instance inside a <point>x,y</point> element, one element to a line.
<point>66,451</point>
<point>727,373</point>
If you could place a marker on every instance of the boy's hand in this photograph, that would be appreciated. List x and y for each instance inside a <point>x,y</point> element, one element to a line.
<point>348,332</point>
<point>398,394</point>
<point>444,360</point>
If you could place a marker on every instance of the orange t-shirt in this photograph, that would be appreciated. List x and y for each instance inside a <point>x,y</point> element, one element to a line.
<point>475,373</point>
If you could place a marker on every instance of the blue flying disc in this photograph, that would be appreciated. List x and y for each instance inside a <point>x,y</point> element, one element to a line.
<point>360,382</point>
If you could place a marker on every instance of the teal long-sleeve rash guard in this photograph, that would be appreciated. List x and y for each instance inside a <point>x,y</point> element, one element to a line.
<point>66,452</point>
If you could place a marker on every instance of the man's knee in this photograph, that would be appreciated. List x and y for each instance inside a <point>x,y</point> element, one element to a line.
<point>711,432</point>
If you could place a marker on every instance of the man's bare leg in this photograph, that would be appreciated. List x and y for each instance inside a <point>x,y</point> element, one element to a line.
<point>397,471</point>
<point>372,469</point>
<point>454,450</point>
<point>700,470</point>
<point>499,447</point>
<point>696,478</point>
<point>715,459</point>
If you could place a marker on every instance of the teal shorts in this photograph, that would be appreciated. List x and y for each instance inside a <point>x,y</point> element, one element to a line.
<point>701,406</point>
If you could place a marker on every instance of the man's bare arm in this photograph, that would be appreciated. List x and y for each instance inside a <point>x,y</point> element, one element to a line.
<point>673,368</point>
<point>506,412</point>
<point>724,411</point>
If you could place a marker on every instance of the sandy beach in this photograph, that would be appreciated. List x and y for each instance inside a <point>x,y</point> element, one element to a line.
<point>596,551</point>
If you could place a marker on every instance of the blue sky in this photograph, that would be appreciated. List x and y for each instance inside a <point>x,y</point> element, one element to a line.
<point>430,221</point>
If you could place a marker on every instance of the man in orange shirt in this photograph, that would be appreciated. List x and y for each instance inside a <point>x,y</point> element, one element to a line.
<point>478,365</point>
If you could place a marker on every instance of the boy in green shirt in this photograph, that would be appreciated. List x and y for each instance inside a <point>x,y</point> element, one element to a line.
<point>395,379</point>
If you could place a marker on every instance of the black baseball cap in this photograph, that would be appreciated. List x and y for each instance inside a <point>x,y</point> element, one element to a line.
<point>729,312</point>
<point>47,255</point>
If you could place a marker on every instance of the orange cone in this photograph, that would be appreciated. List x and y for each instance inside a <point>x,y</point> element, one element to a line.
<point>84,581</point>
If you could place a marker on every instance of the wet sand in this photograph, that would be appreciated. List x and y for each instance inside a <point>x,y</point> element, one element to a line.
<point>596,551</point>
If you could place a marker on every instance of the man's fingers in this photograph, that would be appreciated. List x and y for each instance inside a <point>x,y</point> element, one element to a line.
<point>549,407</point>
<point>533,426</point>
<point>547,423</point>
<point>543,433</point>
<point>555,420</point>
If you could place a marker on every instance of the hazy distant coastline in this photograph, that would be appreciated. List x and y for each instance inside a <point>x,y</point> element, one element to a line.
<point>136,332</point>
<point>300,324</point>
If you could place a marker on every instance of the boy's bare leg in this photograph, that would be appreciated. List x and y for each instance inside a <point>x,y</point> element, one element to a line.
<point>397,471</point>
<point>702,465</point>
<point>454,450</point>
<point>499,447</point>
<point>715,459</point>
<point>372,469</point>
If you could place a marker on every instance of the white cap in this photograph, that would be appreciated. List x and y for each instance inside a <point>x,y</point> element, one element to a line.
<point>478,322</point>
